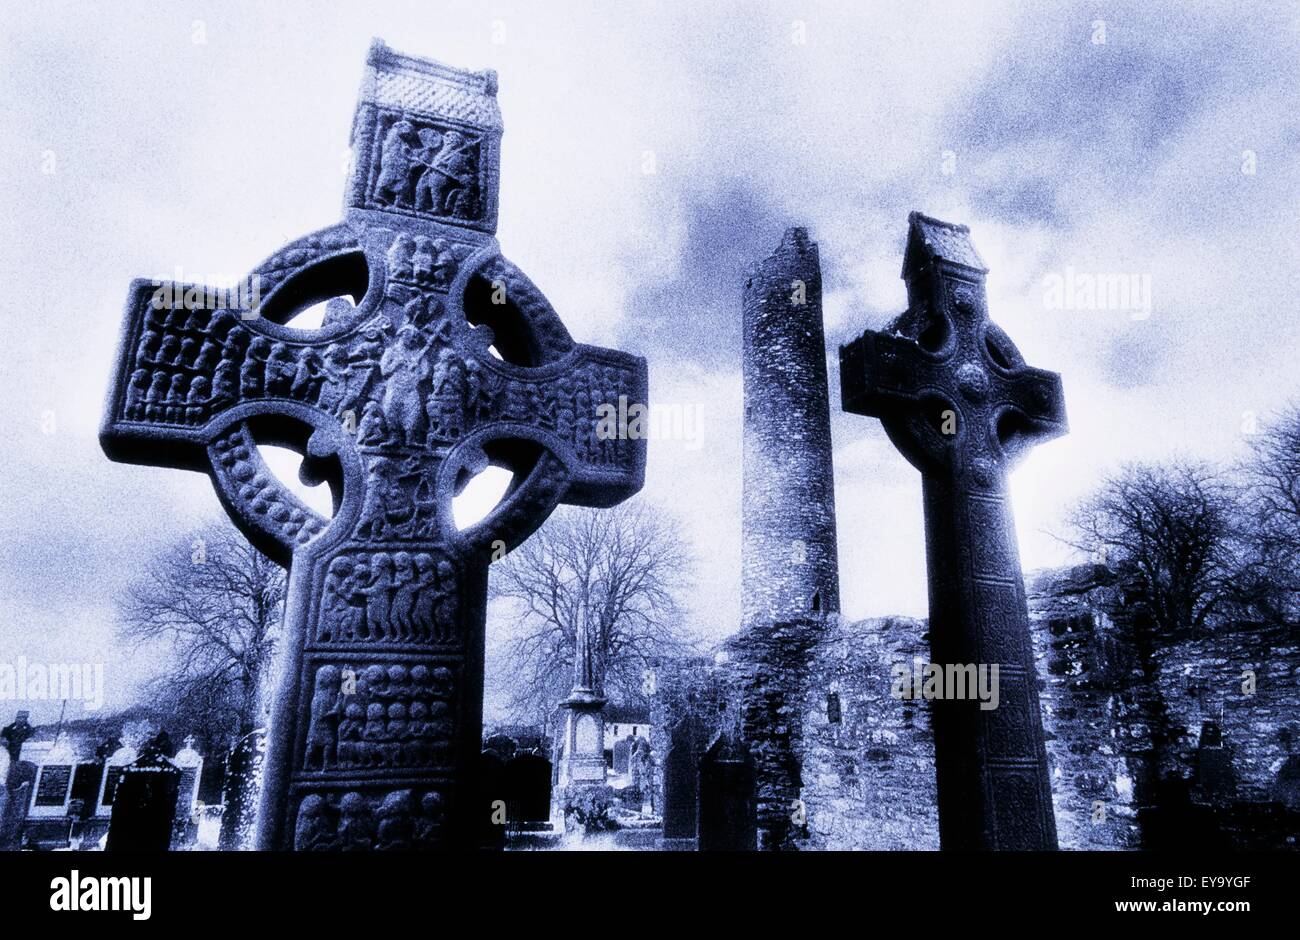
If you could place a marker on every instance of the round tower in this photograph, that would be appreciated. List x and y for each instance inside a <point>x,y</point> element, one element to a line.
<point>789,567</point>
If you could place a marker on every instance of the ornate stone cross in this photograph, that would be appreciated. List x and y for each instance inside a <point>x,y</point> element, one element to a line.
<point>957,399</point>
<point>435,358</point>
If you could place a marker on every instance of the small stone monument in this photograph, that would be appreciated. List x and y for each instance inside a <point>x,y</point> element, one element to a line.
<point>584,724</point>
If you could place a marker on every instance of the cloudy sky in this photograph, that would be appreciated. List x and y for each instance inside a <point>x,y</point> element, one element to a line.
<point>652,152</point>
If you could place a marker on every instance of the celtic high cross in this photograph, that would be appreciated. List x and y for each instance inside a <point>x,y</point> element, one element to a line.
<point>957,399</point>
<point>436,357</point>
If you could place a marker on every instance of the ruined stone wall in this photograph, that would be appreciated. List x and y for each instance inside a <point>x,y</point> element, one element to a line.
<point>868,779</point>
<point>789,565</point>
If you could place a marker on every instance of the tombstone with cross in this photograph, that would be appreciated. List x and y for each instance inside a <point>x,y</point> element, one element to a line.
<point>955,396</point>
<point>436,358</point>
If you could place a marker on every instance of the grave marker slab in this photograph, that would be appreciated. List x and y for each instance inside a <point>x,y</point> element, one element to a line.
<point>728,811</point>
<point>437,357</point>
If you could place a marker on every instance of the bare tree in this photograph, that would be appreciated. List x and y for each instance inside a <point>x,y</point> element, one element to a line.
<point>217,602</point>
<point>618,569</point>
<point>1272,509</point>
<point>1172,528</point>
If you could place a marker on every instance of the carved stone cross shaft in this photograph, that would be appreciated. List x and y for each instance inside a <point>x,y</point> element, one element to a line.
<point>436,357</point>
<point>956,398</point>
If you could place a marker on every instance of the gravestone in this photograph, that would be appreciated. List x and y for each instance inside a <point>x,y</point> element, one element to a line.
<point>240,791</point>
<point>114,767</point>
<point>185,825</point>
<point>53,787</point>
<point>528,788</point>
<point>682,781</point>
<point>728,811</point>
<point>955,396</point>
<point>144,805</point>
<point>622,751</point>
<point>436,358</point>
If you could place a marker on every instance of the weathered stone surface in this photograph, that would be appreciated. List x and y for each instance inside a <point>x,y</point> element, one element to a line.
<point>789,560</point>
<point>446,358</point>
<point>956,398</point>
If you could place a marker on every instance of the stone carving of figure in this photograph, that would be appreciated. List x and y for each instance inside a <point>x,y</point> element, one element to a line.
<point>189,353</point>
<point>394,731</point>
<point>137,391</point>
<point>147,351</point>
<point>422,259</point>
<point>350,726</point>
<point>225,381</point>
<point>356,827</point>
<point>427,178</point>
<point>447,185</point>
<point>404,367</point>
<point>347,604</point>
<point>363,362</point>
<point>371,430</point>
<point>334,384</point>
<point>395,159</point>
<point>377,599</point>
<point>413,749</point>
<point>208,356</point>
<point>429,822</point>
<point>169,350</point>
<point>399,258</point>
<point>379,483</point>
<point>322,736</point>
<point>422,612</point>
<point>197,400</point>
<point>444,605</point>
<point>306,375</point>
<point>253,371</point>
<point>156,396</point>
<point>372,735</point>
<point>396,822</point>
<point>446,404</point>
<point>408,588</point>
<point>478,391</point>
<point>176,394</point>
<point>312,832</point>
<point>280,368</point>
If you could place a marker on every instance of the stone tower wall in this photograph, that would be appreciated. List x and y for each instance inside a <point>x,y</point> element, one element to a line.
<point>789,565</point>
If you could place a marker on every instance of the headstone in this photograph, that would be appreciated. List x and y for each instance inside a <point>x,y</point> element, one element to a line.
<point>955,396</point>
<point>114,767</point>
<point>445,359</point>
<point>681,782</point>
<point>185,824</point>
<point>242,787</point>
<point>53,787</point>
<point>728,812</point>
<point>622,751</point>
<point>144,805</point>
<point>528,788</point>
